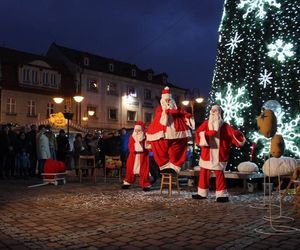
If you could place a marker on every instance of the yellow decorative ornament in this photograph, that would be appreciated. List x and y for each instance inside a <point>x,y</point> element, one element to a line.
<point>58,120</point>
<point>267,123</point>
<point>277,146</point>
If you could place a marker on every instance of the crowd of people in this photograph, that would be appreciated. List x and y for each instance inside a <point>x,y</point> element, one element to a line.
<point>24,149</point>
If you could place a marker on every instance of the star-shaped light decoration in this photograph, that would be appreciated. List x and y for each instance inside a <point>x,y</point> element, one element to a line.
<point>257,6</point>
<point>234,42</point>
<point>280,50</point>
<point>265,78</point>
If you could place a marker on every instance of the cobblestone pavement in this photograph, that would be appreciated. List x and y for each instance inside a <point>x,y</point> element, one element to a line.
<point>102,216</point>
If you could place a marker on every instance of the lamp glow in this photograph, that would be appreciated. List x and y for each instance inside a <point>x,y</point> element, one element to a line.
<point>91,112</point>
<point>78,98</point>
<point>185,102</point>
<point>58,100</point>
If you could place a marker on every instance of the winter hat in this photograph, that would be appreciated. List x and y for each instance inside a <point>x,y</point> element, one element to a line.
<point>140,125</point>
<point>166,93</point>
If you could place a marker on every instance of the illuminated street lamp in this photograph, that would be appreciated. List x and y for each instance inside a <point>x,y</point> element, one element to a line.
<point>91,112</point>
<point>192,98</point>
<point>69,115</point>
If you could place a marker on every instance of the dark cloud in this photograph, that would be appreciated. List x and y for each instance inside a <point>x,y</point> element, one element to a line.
<point>178,37</point>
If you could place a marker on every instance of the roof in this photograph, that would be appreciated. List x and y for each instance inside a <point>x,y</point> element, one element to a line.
<point>101,64</point>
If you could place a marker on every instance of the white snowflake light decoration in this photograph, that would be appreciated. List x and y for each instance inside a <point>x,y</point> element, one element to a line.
<point>234,42</point>
<point>280,50</point>
<point>290,132</point>
<point>265,78</point>
<point>257,6</point>
<point>232,105</point>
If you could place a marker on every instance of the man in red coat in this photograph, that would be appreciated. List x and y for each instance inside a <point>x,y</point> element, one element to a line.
<point>215,138</point>
<point>168,134</point>
<point>138,159</point>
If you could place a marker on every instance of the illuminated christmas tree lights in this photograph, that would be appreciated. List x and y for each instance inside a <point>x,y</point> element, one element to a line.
<point>259,51</point>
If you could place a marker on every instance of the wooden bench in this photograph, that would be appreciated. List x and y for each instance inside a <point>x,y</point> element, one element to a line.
<point>228,175</point>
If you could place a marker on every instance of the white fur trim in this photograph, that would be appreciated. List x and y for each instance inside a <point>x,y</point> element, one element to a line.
<point>138,147</point>
<point>174,167</point>
<point>170,165</point>
<point>164,166</point>
<point>222,193</point>
<point>203,141</point>
<point>216,166</point>
<point>171,133</point>
<point>137,164</point>
<point>156,136</point>
<point>163,118</point>
<point>203,192</point>
<point>214,143</point>
<point>126,183</point>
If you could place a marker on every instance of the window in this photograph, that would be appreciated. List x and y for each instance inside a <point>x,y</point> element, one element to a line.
<point>131,91</point>
<point>50,109</point>
<point>148,117</point>
<point>131,116</point>
<point>31,111</point>
<point>86,61</point>
<point>112,114</point>
<point>53,80</point>
<point>150,76</point>
<point>45,78</point>
<point>93,85</point>
<point>26,75</point>
<point>111,67</point>
<point>34,77</point>
<point>111,89</point>
<point>133,72</point>
<point>147,94</point>
<point>11,106</point>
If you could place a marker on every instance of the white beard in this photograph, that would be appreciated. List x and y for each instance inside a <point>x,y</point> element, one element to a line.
<point>170,105</point>
<point>138,137</point>
<point>215,121</point>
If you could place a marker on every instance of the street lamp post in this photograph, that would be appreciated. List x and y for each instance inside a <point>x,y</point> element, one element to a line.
<point>191,99</point>
<point>68,114</point>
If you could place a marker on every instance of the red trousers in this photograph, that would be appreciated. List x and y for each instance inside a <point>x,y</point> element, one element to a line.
<point>204,179</point>
<point>171,150</point>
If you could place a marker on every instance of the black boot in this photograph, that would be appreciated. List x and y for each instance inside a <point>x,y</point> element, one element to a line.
<point>198,197</point>
<point>222,199</point>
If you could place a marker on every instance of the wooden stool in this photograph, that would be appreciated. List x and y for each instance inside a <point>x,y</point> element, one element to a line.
<point>82,166</point>
<point>169,179</point>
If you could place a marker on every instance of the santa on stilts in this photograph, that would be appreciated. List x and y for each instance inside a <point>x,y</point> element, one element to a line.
<point>138,159</point>
<point>168,134</point>
<point>215,138</point>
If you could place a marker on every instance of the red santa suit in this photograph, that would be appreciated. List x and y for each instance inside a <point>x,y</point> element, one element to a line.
<point>138,158</point>
<point>168,133</point>
<point>215,146</point>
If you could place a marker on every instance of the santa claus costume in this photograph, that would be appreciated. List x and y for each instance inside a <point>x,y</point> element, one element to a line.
<point>138,159</point>
<point>168,133</point>
<point>215,137</point>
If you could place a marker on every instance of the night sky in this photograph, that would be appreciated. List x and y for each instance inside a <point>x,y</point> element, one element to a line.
<point>178,37</point>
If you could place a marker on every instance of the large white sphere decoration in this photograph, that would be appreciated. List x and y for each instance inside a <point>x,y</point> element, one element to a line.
<point>273,105</point>
<point>247,166</point>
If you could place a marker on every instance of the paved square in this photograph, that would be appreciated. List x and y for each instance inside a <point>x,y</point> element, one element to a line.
<point>103,216</point>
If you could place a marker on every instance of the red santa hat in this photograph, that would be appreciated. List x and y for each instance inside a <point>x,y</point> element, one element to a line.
<point>166,93</point>
<point>140,125</point>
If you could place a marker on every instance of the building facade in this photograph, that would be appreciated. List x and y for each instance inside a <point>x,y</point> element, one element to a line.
<point>117,93</point>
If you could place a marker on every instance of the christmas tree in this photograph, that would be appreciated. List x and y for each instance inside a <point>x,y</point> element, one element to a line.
<point>258,65</point>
